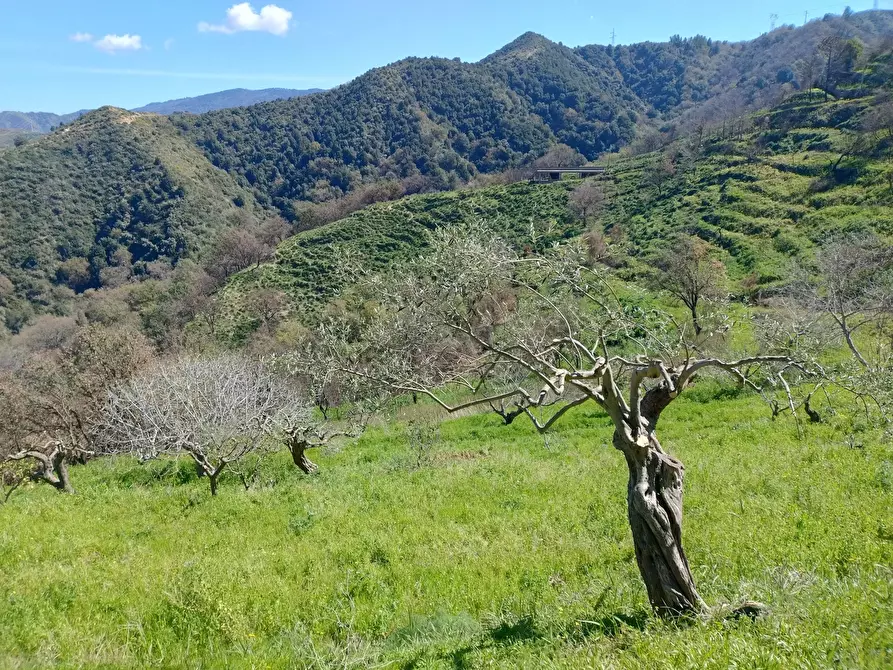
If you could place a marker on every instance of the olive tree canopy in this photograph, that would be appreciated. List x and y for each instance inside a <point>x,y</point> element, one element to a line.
<point>472,309</point>
<point>215,410</point>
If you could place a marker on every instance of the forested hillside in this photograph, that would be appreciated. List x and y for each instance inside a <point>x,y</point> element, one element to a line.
<point>97,201</point>
<point>766,191</point>
<point>702,80</point>
<point>445,120</point>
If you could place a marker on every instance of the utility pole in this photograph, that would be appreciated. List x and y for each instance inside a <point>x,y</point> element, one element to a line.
<point>614,34</point>
<point>805,18</point>
<point>772,19</point>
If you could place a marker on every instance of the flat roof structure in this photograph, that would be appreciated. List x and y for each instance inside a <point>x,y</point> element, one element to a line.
<point>555,174</point>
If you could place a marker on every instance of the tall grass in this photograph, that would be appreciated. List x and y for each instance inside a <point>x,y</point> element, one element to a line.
<point>497,550</point>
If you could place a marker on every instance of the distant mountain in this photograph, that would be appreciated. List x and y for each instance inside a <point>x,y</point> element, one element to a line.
<point>236,97</point>
<point>43,122</point>
<point>36,122</point>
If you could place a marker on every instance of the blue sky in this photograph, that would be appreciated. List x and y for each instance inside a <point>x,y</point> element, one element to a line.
<point>64,55</point>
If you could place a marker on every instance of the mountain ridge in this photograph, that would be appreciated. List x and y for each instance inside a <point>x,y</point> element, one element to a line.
<point>417,125</point>
<point>43,122</point>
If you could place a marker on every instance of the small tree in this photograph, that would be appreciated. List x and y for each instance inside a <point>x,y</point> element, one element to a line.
<point>342,409</point>
<point>302,433</point>
<point>237,249</point>
<point>659,173</point>
<point>587,200</point>
<point>690,273</point>
<point>216,411</point>
<point>809,70</point>
<point>560,156</point>
<point>854,287</point>
<point>839,56</point>
<point>558,330</point>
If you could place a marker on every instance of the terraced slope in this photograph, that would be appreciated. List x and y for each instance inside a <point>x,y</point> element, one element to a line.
<point>766,197</point>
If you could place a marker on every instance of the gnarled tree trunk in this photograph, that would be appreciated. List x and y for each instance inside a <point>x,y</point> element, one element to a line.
<point>60,469</point>
<point>298,449</point>
<point>50,468</point>
<point>654,501</point>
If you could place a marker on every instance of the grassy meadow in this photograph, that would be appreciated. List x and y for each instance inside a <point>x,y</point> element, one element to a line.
<point>489,548</point>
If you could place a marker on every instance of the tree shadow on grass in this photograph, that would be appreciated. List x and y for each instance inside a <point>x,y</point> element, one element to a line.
<point>612,624</point>
<point>156,473</point>
<point>524,629</point>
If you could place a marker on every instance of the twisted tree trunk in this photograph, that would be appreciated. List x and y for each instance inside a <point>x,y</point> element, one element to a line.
<point>298,449</point>
<point>654,502</point>
<point>60,468</point>
<point>50,468</point>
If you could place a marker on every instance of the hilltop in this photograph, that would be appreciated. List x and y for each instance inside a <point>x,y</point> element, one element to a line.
<point>112,190</point>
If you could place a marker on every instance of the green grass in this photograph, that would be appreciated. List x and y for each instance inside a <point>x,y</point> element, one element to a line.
<point>500,551</point>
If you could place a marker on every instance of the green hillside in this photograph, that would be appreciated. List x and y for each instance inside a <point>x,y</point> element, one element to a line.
<point>766,196</point>
<point>112,189</point>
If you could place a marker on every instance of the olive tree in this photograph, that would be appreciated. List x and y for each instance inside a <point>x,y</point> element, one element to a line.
<point>574,342</point>
<point>693,275</point>
<point>217,411</point>
<point>302,432</point>
<point>341,408</point>
<point>853,286</point>
<point>51,405</point>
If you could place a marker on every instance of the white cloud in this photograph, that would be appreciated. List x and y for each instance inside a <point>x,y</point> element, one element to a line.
<point>112,43</point>
<point>81,37</point>
<point>242,17</point>
<point>168,44</point>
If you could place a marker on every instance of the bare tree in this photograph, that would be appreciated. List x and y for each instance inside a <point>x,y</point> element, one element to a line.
<point>560,156</point>
<point>343,407</point>
<point>587,200</point>
<point>237,249</point>
<point>880,119</point>
<point>854,287</point>
<point>302,433</point>
<point>596,243</point>
<point>808,70</point>
<point>659,173</point>
<point>216,411</point>
<point>838,55</point>
<point>690,273</point>
<point>51,406</point>
<point>556,331</point>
